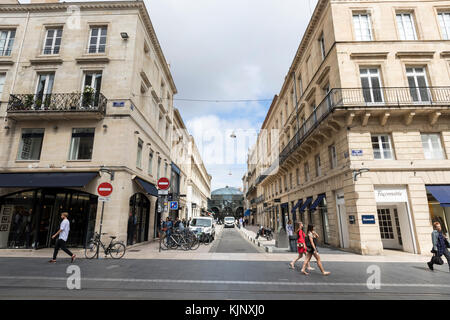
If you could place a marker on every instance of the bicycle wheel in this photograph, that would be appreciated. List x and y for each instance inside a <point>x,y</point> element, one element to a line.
<point>91,250</point>
<point>195,244</point>
<point>207,239</point>
<point>117,250</point>
<point>174,240</point>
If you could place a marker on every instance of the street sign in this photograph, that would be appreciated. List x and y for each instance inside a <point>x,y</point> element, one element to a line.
<point>368,219</point>
<point>357,153</point>
<point>105,189</point>
<point>163,184</point>
<point>173,205</point>
<point>163,192</point>
<point>104,199</point>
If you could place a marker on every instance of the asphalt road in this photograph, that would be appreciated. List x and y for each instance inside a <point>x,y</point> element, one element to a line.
<point>34,278</point>
<point>230,240</point>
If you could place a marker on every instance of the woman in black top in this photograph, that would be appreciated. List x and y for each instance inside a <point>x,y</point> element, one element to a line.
<point>311,248</point>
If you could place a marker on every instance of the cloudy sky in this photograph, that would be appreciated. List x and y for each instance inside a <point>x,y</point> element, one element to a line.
<point>228,50</point>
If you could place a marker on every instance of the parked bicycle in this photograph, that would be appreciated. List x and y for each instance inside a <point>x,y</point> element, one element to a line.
<point>115,249</point>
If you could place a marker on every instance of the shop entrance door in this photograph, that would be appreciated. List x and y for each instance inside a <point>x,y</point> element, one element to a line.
<point>342,221</point>
<point>390,227</point>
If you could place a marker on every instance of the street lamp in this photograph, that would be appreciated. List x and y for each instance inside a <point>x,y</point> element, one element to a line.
<point>103,169</point>
<point>359,172</point>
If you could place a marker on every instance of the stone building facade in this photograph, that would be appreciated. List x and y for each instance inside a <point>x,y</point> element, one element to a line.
<point>86,97</point>
<point>357,142</point>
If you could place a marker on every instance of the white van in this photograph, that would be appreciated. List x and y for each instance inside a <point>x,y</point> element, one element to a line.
<point>229,222</point>
<point>204,225</point>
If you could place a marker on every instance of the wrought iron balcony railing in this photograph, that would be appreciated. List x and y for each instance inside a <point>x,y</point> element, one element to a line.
<point>393,97</point>
<point>58,102</point>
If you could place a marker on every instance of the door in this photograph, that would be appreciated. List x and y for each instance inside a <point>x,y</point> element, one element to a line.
<point>342,221</point>
<point>389,224</point>
<point>371,84</point>
<point>91,80</point>
<point>44,90</point>
<point>418,84</point>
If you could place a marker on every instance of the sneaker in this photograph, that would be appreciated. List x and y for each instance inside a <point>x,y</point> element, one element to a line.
<point>430,265</point>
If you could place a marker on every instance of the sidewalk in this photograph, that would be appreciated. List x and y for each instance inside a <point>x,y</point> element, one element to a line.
<point>333,254</point>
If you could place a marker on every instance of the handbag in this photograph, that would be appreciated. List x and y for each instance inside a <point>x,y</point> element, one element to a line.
<point>437,260</point>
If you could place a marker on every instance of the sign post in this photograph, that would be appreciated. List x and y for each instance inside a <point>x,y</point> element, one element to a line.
<point>163,190</point>
<point>104,190</point>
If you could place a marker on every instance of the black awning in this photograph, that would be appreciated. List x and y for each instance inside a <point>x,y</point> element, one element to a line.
<point>299,203</point>
<point>306,204</point>
<point>150,188</point>
<point>46,179</point>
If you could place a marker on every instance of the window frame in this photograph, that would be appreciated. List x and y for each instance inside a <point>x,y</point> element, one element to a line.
<point>444,28</point>
<point>380,144</point>
<point>72,144</point>
<point>53,46</point>
<point>97,44</point>
<point>21,143</point>
<point>430,144</point>
<point>139,151</point>
<point>369,25</point>
<point>7,46</point>
<point>413,23</point>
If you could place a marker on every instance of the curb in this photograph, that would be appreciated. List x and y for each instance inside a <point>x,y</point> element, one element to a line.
<point>256,242</point>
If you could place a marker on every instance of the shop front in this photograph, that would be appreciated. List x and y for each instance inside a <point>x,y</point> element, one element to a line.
<point>439,205</point>
<point>30,218</point>
<point>394,219</point>
<point>31,212</point>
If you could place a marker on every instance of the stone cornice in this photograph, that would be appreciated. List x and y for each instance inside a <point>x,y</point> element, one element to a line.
<point>103,5</point>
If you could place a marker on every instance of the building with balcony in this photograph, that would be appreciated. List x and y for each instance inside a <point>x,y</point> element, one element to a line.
<point>86,97</point>
<point>357,142</point>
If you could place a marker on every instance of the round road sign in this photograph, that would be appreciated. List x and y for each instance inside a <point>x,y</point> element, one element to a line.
<point>163,184</point>
<point>105,189</point>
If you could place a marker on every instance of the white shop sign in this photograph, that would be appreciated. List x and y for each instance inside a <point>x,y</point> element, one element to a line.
<point>391,195</point>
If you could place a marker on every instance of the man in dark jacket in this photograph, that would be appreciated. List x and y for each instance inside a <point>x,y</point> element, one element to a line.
<point>440,244</point>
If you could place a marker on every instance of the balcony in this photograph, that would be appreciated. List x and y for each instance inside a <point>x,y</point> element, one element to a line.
<point>416,100</point>
<point>57,106</point>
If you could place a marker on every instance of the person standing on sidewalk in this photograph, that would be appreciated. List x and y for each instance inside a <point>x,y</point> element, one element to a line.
<point>301,245</point>
<point>292,238</point>
<point>440,245</point>
<point>63,233</point>
<point>311,248</point>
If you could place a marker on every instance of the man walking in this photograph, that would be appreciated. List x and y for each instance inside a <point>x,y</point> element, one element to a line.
<point>63,233</point>
<point>440,245</point>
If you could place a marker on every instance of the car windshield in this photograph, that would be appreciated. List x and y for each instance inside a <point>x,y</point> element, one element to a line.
<point>201,223</point>
<point>229,219</point>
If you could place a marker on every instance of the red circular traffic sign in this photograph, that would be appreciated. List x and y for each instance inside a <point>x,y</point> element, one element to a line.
<point>105,189</point>
<point>163,184</point>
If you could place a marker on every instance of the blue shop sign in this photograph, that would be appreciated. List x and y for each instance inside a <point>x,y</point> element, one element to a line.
<point>118,104</point>
<point>369,219</point>
<point>357,153</point>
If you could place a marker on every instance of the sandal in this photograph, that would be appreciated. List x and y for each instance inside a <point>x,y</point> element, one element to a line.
<point>326,273</point>
<point>291,266</point>
<point>305,273</point>
<point>311,269</point>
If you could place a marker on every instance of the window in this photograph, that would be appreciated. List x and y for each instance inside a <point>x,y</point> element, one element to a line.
<point>52,41</point>
<point>139,154</point>
<point>318,167</point>
<point>2,83</point>
<point>150,163</point>
<point>333,156</point>
<point>97,40</point>
<point>444,21</point>
<point>165,170</point>
<point>82,144</point>
<point>326,92</point>
<point>432,147</point>
<point>30,144</point>
<point>322,46</point>
<point>158,169</point>
<point>363,28</point>
<point>44,86</point>
<point>306,172</point>
<point>290,181</point>
<point>382,148</point>
<point>418,85</point>
<point>297,173</point>
<point>6,42</point>
<point>300,85</point>
<point>92,80</point>
<point>371,84</point>
<point>406,28</point>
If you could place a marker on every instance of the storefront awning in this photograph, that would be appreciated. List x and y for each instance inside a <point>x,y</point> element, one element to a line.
<point>317,202</point>
<point>441,193</point>
<point>306,204</point>
<point>247,212</point>
<point>147,186</point>
<point>46,179</point>
<point>298,204</point>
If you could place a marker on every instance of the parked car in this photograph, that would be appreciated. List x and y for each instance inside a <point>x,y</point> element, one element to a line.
<point>229,222</point>
<point>203,225</point>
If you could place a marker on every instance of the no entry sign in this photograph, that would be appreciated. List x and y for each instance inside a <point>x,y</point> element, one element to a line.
<point>105,189</point>
<point>163,184</point>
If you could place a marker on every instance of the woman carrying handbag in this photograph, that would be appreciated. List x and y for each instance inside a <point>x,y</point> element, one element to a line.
<point>440,247</point>
<point>311,248</point>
